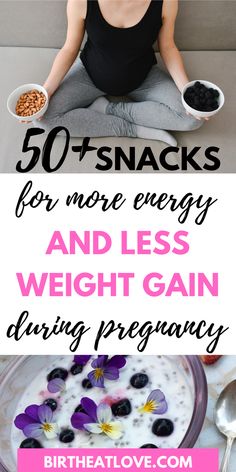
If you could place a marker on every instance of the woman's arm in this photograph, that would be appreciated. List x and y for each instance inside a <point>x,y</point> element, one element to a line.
<point>168,50</point>
<point>76,13</point>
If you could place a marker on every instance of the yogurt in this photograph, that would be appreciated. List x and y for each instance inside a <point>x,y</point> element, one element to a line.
<point>163,373</point>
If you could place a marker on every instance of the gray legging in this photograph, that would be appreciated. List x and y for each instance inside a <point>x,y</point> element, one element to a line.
<point>155,104</point>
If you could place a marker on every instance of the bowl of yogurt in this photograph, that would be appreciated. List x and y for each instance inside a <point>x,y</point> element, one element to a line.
<point>154,401</point>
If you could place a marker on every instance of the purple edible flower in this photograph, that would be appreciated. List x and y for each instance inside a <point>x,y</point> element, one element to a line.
<point>105,368</point>
<point>81,360</point>
<point>78,420</point>
<point>37,420</point>
<point>156,403</point>
<point>96,419</point>
<point>56,385</point>
<point>105,424</point>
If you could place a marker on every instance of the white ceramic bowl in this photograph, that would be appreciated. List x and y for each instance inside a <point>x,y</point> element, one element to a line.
<point>203,114</point>
<point>15,95</point>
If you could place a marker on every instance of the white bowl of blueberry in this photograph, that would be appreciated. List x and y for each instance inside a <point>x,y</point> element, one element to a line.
<point>202,99</point>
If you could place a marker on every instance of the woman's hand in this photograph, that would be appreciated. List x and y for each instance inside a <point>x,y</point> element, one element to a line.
<point>27,122</point>
<point>200,118</point>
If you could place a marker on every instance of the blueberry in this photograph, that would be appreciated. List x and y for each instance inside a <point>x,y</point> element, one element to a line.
<point>79,409</point>
<point>162,427</point>
<point>187,97</point>
<point>76,369</point>
<point>148,446</point>
<point>58,373</point>
<point>215,105</point>
<point>67,436</point>
<point>197,85</point>
<point>190,90</point>
<point>139,380</point>
<point>51,403</point>
<point>189,102</point>
<point>86,384</point>
<point>30,443</point>
<point>211,91</point>
<point>121,408</point>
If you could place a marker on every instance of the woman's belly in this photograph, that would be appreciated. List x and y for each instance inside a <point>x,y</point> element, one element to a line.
<point>115,76</point>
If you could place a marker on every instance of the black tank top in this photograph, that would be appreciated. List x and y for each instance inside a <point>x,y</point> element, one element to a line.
<point>118,59</point>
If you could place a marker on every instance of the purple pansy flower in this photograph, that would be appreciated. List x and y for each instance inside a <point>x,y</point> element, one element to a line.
<point>37,420</point>
<point>156,403</point>
<point>105,368</point>
<point>78,420</point>
<point>96,419</point>
<point>56,385</point>
<point>81,360</point>
<point>105,424</point>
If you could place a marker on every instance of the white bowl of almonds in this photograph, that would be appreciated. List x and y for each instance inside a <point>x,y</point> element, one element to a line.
<point>28,102</point>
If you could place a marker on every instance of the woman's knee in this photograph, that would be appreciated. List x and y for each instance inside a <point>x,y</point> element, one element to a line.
<point>45,123</point>
<point>191,123</point>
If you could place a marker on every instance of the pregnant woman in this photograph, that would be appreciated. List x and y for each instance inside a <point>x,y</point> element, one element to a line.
<point>118,59</point>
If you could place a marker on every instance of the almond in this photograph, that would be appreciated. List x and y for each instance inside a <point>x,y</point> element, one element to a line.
<point>30,103</point>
